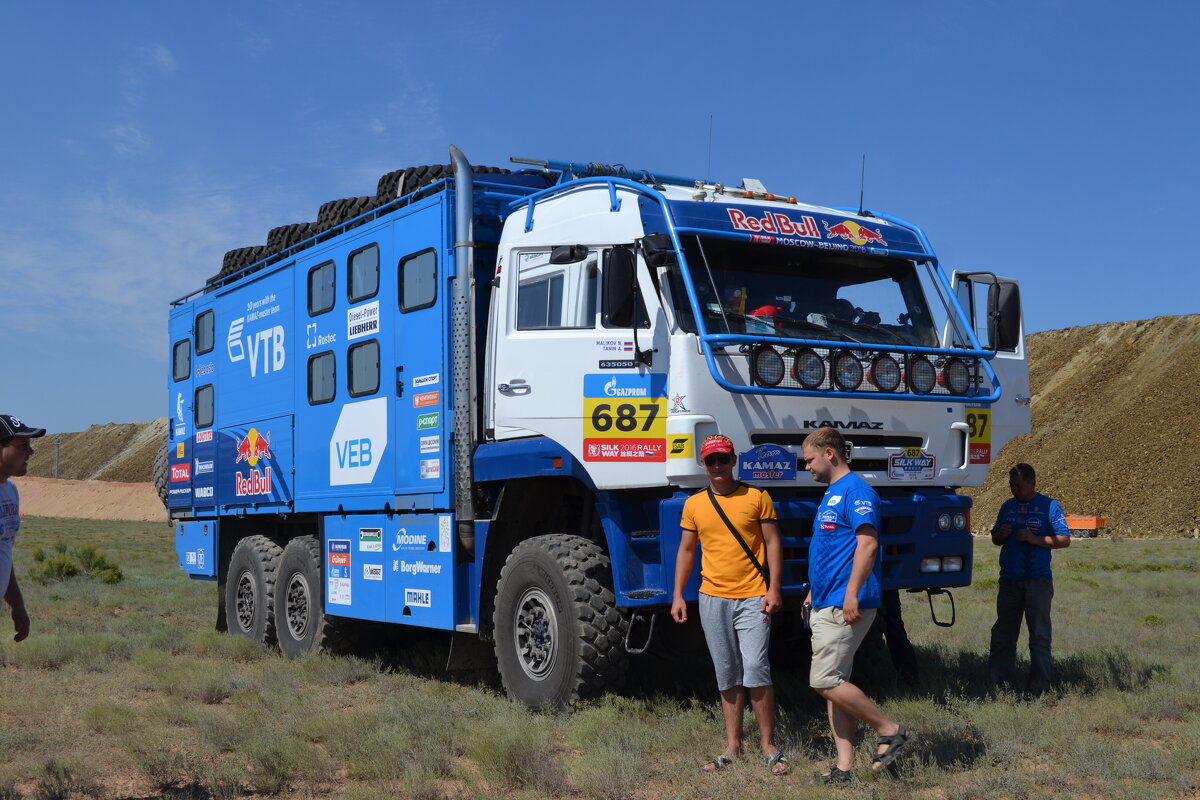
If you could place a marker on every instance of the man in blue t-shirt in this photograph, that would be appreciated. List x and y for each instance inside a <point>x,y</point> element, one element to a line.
<point>1028,527</point>
<point>844,575</point>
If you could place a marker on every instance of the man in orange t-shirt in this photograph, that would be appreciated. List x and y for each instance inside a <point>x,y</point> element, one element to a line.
<point>736,600</point>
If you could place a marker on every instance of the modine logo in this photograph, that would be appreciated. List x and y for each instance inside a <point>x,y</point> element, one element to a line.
<point>853,425</point>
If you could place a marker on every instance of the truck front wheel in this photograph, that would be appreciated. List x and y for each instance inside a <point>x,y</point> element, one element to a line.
<point>250,589</point>
<point>559,635</point>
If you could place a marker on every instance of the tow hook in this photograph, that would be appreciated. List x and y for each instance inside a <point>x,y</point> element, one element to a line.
<point>933,614</point>
<point>633,621</point>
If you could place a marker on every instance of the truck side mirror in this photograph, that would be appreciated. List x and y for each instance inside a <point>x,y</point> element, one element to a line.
<point>658,250</point>
<point>1004,315</point>
<point>620,287</point>
<point>568,254</point>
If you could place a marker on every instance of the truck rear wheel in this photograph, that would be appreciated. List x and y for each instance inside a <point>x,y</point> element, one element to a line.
<point>250,589</point>
<point>299,598</point>
<point>160,473</point>
<point>559,635</point>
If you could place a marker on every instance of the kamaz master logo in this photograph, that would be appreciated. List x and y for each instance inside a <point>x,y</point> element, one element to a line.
<point>847,425</point>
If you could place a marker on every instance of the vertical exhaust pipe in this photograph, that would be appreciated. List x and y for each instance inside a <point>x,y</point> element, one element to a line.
<point>462,341</point>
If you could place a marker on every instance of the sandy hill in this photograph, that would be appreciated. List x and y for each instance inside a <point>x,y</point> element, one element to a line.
<point>1113,419</point>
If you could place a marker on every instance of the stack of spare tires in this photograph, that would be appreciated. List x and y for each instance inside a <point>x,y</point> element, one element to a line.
<point>282,241</point>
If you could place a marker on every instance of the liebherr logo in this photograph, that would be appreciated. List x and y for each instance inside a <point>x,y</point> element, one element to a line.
<point>851,425</point>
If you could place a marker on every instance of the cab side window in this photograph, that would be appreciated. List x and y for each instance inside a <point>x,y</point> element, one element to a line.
<point>417,281</point>
<point>181,359</point>
<point>204,333</point>
<point>556,296</point>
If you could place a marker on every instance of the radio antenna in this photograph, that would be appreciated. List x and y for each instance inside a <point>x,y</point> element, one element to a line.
<point>708,168</point>
<point>862,182</point>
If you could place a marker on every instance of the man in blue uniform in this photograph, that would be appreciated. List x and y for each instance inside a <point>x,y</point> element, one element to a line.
<point>1028,527</point>
<point>844,573</point>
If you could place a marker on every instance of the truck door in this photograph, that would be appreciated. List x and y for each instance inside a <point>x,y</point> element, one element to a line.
<point>993,308</point>
<point>422,380</point>
<point>561,369</point>
<point>181,401</point>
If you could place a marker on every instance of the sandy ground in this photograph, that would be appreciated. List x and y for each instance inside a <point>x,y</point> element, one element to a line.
<point>48,497</point>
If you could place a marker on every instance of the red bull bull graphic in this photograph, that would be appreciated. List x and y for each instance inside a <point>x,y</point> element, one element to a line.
<point>854,233</point>
<point>252,448</point>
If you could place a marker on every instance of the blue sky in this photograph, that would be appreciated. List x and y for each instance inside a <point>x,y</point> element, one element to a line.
<point>1052,142</point>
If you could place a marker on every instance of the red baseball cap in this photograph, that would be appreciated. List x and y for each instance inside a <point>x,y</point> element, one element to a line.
<point>716,444</point>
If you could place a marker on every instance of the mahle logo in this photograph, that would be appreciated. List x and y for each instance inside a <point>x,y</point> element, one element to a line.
<point>427,422</point>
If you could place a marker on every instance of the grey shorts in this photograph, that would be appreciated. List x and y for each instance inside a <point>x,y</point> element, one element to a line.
<point>834,644</point>
<point>738,634</point>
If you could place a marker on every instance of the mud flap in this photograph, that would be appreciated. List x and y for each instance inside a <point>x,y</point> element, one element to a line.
<point>468,651</point>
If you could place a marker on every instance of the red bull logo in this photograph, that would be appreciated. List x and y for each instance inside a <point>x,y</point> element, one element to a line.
<point>253,447</point>
<point>771,222</point>
<point>852,232</point>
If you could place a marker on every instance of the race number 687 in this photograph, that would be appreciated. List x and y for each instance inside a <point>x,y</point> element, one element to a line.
<point>624,417</point>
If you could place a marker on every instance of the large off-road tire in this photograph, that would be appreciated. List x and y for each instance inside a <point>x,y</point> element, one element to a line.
<point>250,589</point>
<point>559,635</point>
<point>160,473</point>
<point>300,622</point>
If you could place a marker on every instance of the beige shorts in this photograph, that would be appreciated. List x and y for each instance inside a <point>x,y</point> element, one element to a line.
<point>834,644</point>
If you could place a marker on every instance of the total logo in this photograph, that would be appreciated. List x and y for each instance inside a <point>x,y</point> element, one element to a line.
<point>265,347</point>
<point>854,233</point>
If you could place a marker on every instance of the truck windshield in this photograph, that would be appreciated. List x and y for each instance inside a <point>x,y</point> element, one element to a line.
<point>772,290</point>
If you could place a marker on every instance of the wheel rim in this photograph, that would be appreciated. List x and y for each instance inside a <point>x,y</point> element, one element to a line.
<point>299,605</point>
<point>245,602</point>
<point>533,634</point>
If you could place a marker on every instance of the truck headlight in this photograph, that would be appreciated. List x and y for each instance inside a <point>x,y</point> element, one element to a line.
<point>885,373</point>
<point>943,521</point>
<point>847,371</point>
<point>808,369</point>
<point>957,376</point>
<point>931,564</point>
<point>960,521</point>
<point>767,366</point>
<point>951,563</point>
<point>922,375</point>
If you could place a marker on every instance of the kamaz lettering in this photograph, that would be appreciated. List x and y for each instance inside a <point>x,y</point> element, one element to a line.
<point>852,425</point>
<point>774,223</point>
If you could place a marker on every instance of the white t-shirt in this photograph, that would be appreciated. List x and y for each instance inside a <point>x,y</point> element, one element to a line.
<point>10,521</point>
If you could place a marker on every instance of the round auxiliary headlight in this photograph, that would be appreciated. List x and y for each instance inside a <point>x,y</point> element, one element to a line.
<point>847,371</point>
<point>808,369</point>
<point>922,375</point>
<point>767,366</point>
<point>956,376</point>
<point>960,521</point>
<point>943,521</point>
<point>885,373</point>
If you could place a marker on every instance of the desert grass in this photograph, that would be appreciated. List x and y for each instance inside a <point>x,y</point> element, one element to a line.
<point>125,690</point>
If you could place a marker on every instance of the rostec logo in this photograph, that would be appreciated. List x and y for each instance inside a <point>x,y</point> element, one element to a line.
<point>181,472</point>
<point>267,350</point>
<point>771,222</point>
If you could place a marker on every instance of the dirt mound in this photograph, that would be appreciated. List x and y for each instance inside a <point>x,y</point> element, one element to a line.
<point>48,497</point>
<point>122,452</point>
<point>1114,409</point>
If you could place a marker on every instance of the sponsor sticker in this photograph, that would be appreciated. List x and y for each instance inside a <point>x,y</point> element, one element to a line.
<point>179,450</point>
<point>430,468</point>
<point>444,533</point>
<point>429,421</point>
<point>426,380</point>
<point>203,467</point>
<point>421,598</point>
<point>912,465</point>
<point>423,399</point>
<point>181,472</point>
<point>431,444</point>
<point>767,462</point>
<point>338,581</point>
<point>372,572</point>
<point>680,446</point>
<point>409,541</point>
<point>624,417</point>
<point>370,540</point>
<point>204,436</point>
<point>362,321</point>
<point>979,435</point>
<point>204,492</point>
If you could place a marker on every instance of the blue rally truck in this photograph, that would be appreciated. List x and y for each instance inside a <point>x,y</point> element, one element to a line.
<point>473,402</point>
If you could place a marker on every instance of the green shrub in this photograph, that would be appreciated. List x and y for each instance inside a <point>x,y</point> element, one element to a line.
<point>67,563</point>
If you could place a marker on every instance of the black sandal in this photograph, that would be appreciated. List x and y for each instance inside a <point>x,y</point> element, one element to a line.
<point>836,775</point>
<point>897,743</point>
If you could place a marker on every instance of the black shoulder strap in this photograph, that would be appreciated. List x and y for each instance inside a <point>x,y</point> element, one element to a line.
<point>749,553</point>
